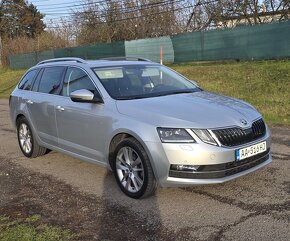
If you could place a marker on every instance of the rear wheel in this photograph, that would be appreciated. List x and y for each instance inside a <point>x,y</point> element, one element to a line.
<point>27,143</point>
<point>132,169</point>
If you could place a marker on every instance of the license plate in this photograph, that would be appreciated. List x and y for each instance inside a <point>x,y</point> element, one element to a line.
<point>250,151</point>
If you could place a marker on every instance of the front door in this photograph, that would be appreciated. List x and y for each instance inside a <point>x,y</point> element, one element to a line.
<point>79,124</point>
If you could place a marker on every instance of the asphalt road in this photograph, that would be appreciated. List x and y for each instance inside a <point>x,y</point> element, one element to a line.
<point>254,207</point>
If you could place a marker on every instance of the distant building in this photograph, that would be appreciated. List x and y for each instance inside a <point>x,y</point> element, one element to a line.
<point>252,19</point>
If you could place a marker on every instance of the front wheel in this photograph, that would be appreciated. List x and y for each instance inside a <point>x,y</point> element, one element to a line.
<point>132,169</point>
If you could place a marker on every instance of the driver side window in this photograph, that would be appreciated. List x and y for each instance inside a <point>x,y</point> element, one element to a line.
<point>76,79</point>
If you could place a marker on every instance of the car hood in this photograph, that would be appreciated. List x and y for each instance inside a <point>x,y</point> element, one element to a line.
<point>194,110</point>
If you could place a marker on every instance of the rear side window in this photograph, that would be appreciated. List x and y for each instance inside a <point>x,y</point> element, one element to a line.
<point>27,81</point>
<point>37,80</point>
<point>51,80</point>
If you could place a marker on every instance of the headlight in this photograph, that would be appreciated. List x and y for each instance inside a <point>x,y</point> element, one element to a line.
<point>174,135</point>
<point>205,136</point>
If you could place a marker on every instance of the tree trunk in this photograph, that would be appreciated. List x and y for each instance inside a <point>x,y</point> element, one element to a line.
<point>0,51</point>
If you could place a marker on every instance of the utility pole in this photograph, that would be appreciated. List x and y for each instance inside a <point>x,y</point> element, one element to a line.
<point>0,51</point>
<point>1,2</point>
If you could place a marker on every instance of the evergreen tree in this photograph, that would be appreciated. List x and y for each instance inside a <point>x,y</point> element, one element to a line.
<point>18,18</point>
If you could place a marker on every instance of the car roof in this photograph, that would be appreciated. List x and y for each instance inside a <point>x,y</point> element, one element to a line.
<point>109,62</point>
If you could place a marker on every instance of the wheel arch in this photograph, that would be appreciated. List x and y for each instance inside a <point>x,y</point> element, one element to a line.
<point>34,131</point>
<point>18,117</point>
<point>120,135</point>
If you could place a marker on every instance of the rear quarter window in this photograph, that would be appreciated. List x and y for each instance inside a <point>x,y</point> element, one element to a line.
<point>27,80</point>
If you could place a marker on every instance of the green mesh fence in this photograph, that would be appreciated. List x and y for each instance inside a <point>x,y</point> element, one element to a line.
<point>266,41</point>
<point>21,61</point>
<point>101,50</point>
<point>150,48</point>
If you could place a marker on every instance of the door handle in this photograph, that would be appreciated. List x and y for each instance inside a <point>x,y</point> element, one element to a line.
<point>60,108</point>
<point>30,102</point>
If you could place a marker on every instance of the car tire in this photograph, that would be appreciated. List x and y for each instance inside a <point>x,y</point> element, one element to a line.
<point>27,143</point>
<point>132,169</point>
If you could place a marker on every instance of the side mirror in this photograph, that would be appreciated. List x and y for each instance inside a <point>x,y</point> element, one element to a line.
<point>85,96</point>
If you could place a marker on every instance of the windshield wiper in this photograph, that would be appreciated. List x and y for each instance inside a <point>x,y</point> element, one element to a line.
<point>175,92</point>
<point>130,97</point>
<point>134,97</point>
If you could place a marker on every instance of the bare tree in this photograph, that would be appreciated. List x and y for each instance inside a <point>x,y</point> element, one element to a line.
<point>126,20</point>
<point>279,9</point>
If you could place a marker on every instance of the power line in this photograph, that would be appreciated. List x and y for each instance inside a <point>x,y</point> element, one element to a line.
<point>128,10</point>
<point>161,3</point>
<point>40,1</point>
<point>73,4</point>
<point>142,16</point>
<point>68,3</point>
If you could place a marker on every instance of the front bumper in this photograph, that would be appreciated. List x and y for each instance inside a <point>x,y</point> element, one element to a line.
<point>218,163</point>
<point>218,176</point>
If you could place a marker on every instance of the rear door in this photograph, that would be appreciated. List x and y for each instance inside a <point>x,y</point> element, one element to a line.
<point>41,103</point>
<point>24,93</point>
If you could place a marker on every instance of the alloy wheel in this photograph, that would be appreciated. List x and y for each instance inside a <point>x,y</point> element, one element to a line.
<point>25,138</point>
<point>130,169</point>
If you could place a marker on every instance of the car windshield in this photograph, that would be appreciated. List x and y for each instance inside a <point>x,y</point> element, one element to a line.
<point>142,81</point>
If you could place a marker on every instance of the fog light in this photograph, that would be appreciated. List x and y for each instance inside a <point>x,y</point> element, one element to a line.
<point>185,168</point>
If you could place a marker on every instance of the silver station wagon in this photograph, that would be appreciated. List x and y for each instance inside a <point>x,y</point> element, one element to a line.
<point>144,121</point>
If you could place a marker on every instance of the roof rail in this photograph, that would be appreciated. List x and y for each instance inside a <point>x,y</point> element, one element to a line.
<point>126,58</point>
<point>79,60</point>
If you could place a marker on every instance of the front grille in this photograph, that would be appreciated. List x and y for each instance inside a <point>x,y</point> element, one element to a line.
<point>237,136</point>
